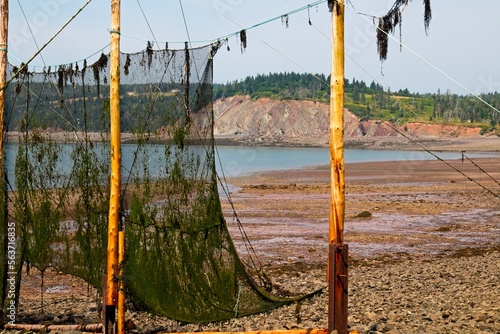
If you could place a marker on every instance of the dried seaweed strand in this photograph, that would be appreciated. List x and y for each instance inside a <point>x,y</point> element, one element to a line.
<point>284,20</point>
<point>388,23</point>
<point>243,39</point>
<point>427,15</point>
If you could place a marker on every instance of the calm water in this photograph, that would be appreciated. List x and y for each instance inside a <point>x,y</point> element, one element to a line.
<point>241,160</point>
<point>236,161</point>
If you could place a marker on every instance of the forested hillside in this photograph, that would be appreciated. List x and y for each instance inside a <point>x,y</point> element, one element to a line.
<point>366,101</point>
<point>371,101</point>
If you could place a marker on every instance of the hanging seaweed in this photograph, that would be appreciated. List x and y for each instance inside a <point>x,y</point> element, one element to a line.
<point>97,67</point>
<point>382,40</point>
<point>243,39</point>
<point>84,69</point>
<point>60,84</point>
<point>388,23</point>
<point>427,15</point>
<point>127,65</point>
<point>60,79</point>
<point>187,74</point>
<point>334,4</point>
<point>284,20</point>
<point>149,52</point>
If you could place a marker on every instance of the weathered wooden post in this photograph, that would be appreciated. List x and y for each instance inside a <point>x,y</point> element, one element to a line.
<point>337,251</point>
<point>4,28</point>
<point>121,287</point>
<point>112,271</point>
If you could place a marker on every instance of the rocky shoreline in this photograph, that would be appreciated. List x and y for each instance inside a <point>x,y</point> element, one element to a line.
<point>475,143</point>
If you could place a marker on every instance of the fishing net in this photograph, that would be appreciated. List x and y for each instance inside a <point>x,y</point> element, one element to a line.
<point>181,261</point>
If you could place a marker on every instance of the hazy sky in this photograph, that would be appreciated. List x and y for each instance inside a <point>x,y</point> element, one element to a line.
<point>463,39</point>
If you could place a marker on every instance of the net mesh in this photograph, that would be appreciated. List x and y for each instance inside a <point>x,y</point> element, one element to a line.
<point>181,261</point>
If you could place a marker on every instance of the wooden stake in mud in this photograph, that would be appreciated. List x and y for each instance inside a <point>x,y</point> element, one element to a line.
<point>337,254</point>
<point>112,275</point>
<point>121,287</point>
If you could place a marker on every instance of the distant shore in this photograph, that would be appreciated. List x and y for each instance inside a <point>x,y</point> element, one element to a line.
<point>477,144</point>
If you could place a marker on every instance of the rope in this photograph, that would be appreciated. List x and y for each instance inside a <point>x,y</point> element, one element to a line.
<point>23,67</point>
<point>263,22</point>
<point>236,33</point>
<point>440,159</point>
<point>149,26</point>
<point>185,23</point>
<point>237,305</point>
<point>482,170</point>
<point>29,27</point>
<point>248,245</point>
<point>427,62</point>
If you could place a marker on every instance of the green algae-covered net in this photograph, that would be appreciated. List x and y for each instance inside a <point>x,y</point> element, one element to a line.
<point>180,258</point>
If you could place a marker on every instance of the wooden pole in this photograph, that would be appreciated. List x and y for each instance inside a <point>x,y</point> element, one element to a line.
<point>111,293</point>
<point>4,28</point>
<point>92,328</point>
<point>337,255</point>
<point>337,193</point>
<point>121,286</point>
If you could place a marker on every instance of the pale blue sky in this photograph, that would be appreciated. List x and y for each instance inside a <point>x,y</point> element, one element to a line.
<point>463,39</point>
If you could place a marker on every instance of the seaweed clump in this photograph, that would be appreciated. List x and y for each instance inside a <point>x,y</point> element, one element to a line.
<point>394,17</point>
<point>100,65</point>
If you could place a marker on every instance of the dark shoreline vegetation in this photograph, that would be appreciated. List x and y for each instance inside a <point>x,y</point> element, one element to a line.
<point>480,144</point>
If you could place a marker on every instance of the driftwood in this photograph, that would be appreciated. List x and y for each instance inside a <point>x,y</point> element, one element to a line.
<point>93,328</point>
<point>97,328</point>
<point>292,331</point>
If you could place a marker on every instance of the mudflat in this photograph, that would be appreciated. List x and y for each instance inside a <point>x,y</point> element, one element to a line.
<point>424,250</point>
<point>392,209</point>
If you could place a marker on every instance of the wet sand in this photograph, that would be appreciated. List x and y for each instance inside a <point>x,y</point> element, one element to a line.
<point>393,209</point>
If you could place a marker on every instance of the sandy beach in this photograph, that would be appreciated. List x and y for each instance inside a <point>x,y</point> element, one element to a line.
<point>423,245</point>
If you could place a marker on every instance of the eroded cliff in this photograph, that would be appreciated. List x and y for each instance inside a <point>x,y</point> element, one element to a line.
<point>271,121</point>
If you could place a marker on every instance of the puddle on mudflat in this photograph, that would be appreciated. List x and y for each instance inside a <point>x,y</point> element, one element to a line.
<point>426,235</point>
<point>58,289</point>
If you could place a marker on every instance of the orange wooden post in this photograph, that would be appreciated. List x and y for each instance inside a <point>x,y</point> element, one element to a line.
<point>4,28</point>
<point>121,287</point>
<point>111,293</point>
<point>337,252</point>
<point>337,205</point>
